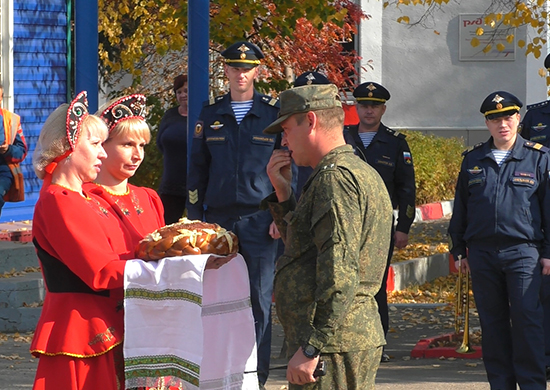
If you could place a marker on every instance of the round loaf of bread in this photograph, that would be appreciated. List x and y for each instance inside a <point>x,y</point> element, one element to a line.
<point>187,237</point>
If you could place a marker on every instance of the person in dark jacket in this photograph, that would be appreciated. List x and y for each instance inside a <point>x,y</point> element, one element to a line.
<point>172,143</point>
<point>387,151</point>
<point>228,179</point>
<point>500,233</point>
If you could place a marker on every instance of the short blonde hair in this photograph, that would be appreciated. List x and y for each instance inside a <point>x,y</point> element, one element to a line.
<point>131,126</point>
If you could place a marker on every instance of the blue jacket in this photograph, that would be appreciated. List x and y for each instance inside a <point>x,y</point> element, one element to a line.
<point>227,171</point>
<point>503,205</point>
<point>536,123</point>
<point>390,155</point>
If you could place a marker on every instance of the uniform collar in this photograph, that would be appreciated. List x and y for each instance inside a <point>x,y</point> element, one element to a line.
<point>226,109</point>
<point>518,151</point>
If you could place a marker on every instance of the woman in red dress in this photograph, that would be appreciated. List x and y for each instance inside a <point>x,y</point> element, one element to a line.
<point>140,208</point>
<point>81,245</point>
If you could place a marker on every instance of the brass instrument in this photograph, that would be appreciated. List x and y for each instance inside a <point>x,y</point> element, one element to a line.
<point>462,309</point>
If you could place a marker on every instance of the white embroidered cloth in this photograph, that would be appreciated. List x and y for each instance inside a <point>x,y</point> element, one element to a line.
<point>188,328</point>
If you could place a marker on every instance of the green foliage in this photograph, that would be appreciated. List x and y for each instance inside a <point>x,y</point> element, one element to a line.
<point>436,165</point>
<point>150,171</point>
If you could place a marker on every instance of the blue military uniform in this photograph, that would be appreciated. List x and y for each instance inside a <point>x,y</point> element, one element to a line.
<point>536,123</point>
<point>499,224</point>
<point>227,180</point>
<point>390,155</point>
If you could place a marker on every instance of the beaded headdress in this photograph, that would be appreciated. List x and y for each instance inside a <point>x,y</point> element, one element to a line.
<point>78,110</point>
<point>127,107</point>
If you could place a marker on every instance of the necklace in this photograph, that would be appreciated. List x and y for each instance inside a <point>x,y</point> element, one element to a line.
<point>72,190</point>
<point>111,192</point>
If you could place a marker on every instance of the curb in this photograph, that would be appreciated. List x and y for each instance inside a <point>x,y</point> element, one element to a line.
<point>432,211</point>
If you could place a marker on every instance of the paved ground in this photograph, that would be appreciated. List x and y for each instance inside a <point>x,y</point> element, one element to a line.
<point>408,324</point>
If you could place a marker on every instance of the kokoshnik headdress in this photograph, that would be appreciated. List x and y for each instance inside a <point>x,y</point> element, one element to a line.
<point>77,111</point>
<point>121,109</point>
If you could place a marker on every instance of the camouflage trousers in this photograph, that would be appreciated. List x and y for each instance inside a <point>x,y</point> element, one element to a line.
<point>347,371</point>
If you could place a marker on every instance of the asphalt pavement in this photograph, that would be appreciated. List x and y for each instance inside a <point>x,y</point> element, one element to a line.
<point>408,324</point>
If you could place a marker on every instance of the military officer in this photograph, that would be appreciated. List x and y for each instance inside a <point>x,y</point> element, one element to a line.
<point>536,124</point>
<point>227,178</point>
<point>499,231</point>
<point>307,78</point>
<point>387,151</point>
<point>336,237</point>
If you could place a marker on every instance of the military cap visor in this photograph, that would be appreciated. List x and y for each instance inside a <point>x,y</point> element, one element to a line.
<point>303,99</point>
<point>309,78</point>
<point>371,93</point>
<point>547,61</point>
<point>243,55</point>
<point>500,103</point>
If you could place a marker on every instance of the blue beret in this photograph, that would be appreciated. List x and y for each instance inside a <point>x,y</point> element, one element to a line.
<point>309,78</point>
<point>243,55</point>
<point>500,103</point>
<point>371,93</point>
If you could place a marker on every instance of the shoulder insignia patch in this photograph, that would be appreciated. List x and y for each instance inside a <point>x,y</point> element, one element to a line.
<point>198,130</point>
<point>471,148</point>
<point>395,133</point>
<point>538,105</point>
<point>536,146</point>
<point>214,100</point>
<point>269,100</point>
<point>328,166</point>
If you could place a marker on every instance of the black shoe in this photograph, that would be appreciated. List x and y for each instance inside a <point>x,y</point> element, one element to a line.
<point>386,358</point>
<point>548,373</point>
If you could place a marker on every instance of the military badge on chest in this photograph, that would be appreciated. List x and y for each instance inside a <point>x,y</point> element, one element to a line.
<point>216,125</point>
<point>539,127</point>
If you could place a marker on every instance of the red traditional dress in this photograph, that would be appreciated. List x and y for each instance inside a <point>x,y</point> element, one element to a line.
<point>81,245</point>
<point>140,208</point>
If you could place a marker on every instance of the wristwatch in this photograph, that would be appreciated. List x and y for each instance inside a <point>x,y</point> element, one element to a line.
<point>310,351</point>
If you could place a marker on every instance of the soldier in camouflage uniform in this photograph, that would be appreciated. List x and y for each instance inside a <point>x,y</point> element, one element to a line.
<point>336,242</point>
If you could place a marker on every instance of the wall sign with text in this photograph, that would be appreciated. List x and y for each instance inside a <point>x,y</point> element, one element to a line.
<point>494,36</point>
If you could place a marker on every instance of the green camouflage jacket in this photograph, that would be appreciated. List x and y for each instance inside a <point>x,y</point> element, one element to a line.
<point>336,245</point>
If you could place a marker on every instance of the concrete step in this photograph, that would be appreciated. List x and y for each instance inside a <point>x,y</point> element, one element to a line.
<point>20,302</point>
<point>17,256</point>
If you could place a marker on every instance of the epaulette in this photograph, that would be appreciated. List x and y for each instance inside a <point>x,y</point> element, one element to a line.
<point>538,105</point>
<point>213,100</point>
<point>536,146</point>
<point>331,166</point>
<point>470,148</point>
<point>396,133</point>
<point>269,100</point>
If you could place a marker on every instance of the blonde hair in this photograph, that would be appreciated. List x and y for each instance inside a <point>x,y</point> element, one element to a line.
<point>131,126</point>
<point>53,142</point>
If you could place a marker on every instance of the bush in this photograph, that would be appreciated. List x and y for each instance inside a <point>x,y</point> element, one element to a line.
<point>436,165</point>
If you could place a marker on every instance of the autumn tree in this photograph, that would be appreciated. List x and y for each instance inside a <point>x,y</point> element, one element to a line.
<point>148,40</point>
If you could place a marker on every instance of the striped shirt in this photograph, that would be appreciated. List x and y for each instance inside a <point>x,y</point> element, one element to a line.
<point>501,155</point>
<point>240,109</point>
<point>367,137</point>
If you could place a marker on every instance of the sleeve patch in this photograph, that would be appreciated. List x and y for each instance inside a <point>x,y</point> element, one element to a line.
<point>198,133</point>
<point>408,158</point>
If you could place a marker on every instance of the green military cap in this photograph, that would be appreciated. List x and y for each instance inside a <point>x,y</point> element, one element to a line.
<point>304,99</point>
